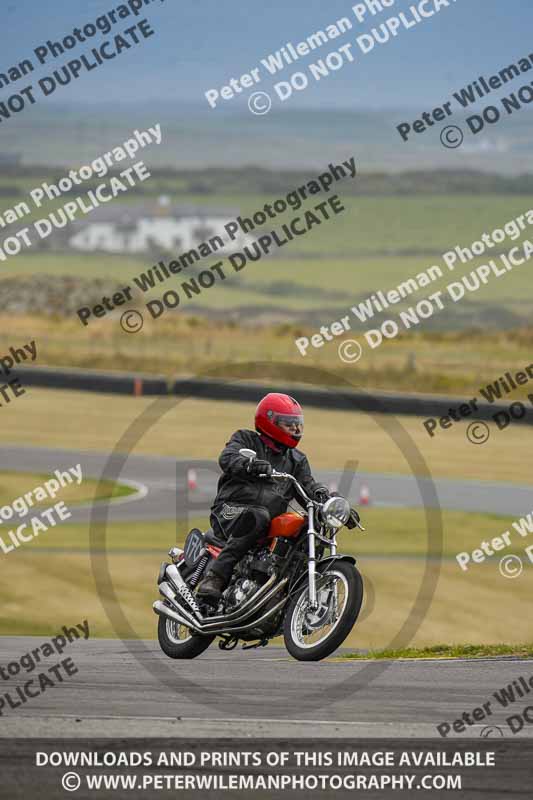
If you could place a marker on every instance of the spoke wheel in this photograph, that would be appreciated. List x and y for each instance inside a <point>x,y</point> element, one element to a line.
<point>176,640</point>
<point>314,633</point>
<point>310,627</point>
<point>178,634</point>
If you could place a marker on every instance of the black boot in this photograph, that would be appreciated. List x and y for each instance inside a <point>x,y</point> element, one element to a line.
<point>211,587</point>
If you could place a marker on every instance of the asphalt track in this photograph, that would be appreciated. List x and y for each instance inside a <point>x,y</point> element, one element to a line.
<point>156,478</point>
<point>132,689</point>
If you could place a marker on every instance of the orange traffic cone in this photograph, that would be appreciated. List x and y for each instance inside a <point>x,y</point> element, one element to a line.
<point>364,496</point>
<point>192,483</point>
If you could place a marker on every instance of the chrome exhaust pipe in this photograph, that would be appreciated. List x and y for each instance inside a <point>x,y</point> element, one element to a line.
<point>239,615</point>
<point>253,624</point>
<point>194,618</point>
<point>175,577</point>
<point>164,611</point>
<point>251,601</point>
<point>166,591</point>
<point>178,613</point>
<point>173,573</point>
<point>250,606</point>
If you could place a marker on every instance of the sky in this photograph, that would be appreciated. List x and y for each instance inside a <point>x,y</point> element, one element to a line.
<point>201,44</point>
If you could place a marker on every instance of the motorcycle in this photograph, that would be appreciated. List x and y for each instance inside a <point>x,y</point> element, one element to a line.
<point>285,586</point>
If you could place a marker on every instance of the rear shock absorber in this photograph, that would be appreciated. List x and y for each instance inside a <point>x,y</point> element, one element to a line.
<point>195,577</point>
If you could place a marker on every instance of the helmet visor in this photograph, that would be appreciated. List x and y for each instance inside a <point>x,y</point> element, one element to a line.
<point>293,424</point>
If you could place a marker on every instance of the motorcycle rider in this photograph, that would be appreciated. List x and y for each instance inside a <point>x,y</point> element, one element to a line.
<point>246,500</point>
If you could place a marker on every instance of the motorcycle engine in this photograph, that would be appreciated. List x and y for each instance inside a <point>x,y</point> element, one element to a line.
<point>239,591</point>
<point>260,565</point>
<point>251,573</point>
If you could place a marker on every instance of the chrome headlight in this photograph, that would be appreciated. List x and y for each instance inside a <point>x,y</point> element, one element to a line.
<point>336,512</point>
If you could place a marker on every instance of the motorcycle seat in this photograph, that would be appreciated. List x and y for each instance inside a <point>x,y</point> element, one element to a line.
<point>211,538</point>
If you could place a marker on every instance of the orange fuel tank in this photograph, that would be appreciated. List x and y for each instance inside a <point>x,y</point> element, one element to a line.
<point>287,525</point>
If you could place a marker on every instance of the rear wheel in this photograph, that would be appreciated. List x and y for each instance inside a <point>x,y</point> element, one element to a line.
<point>313,634</point>
<point>177,641</point>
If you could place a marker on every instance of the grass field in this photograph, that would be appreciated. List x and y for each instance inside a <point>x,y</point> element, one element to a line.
<point>376,244</point>
<point>401,532</point>
<point>192,428</point>
<point>15,484</point>
<point>325,285</point>
<point>476,606</point>
<point>458,363</point>
<point>422,224</point>
<point>441,651</point>
<point>449,605</point>
<point>321,283</point>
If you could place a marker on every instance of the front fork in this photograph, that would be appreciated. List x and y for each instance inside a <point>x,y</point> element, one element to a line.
<point>312,558</point>
<point>313,604</point>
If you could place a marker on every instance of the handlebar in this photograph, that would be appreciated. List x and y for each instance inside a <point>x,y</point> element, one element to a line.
<point>287,475</point>
<point>251,455</point>
<point>276,474</point>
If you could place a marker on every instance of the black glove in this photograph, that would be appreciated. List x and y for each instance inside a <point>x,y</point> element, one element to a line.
<point>259,467</point>
<point>353,519</point>
<point>321,494</point>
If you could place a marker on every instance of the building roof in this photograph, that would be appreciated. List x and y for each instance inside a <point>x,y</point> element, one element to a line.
<point>124,214</point>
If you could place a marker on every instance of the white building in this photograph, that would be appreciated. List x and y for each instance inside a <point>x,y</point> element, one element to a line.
<point>137,231</point>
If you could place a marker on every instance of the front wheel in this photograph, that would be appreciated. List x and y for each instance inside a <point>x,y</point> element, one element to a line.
<point>313,634</point>
<point>177,641</point>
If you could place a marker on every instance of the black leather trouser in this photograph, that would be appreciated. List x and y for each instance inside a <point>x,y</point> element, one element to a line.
<point>242,532</point>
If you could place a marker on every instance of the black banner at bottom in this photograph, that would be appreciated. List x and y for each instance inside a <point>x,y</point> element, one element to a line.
<point>265,768</point>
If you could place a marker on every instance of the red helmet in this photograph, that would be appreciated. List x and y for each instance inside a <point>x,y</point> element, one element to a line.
<point>280,417</point>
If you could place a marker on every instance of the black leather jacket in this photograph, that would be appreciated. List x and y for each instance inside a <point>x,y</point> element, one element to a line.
<point>236,487</point>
